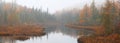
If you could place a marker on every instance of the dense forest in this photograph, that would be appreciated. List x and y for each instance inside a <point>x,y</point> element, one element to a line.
<point>107,15</point>
<point>104,19</point>
<point>11,14</point>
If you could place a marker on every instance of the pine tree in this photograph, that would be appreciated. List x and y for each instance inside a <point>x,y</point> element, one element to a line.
<point>95,14</point>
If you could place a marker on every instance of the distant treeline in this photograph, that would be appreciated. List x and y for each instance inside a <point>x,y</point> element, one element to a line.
<point>68,16</point>
<point>11,13</point>
<point>107,15</point>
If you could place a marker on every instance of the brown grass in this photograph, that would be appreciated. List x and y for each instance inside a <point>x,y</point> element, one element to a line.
<point>99,37</point>
<point>24,30</point>
<point>113,38</point>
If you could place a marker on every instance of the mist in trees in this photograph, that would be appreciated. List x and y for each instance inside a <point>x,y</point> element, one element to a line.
<point>90,15</point>
<point>68,16</point>
<point>106,16</point>
<point>11,14</point>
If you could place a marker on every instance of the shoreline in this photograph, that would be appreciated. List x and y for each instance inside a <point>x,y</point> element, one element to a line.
<point>21,32</point>
<point>99,36</point>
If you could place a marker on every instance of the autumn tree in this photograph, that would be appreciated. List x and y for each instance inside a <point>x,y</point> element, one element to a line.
<point>85,14</point>
<point>108,17</point>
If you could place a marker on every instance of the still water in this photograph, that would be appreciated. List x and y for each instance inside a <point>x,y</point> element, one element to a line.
<point>51,38</point>
<point>55,34</point>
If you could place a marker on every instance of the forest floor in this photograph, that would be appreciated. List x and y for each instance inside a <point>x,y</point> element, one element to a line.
<point>99,35</point>
<point>22,31</point>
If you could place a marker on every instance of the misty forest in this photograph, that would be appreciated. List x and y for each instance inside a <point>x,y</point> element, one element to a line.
<point>91,23</point>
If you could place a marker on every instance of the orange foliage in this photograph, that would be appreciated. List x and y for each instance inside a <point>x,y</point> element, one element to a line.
<point>87,10</point>
<point>21,30</point>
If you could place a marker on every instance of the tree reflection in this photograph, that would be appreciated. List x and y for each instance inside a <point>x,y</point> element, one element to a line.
<point>7,40</point>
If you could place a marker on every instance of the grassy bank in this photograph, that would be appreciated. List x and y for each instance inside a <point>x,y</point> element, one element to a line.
<point>113,38</point>
<point>99,36</point>
<point>21,30</point>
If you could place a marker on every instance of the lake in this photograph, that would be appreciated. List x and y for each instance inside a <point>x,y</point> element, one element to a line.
<point>54,34</point>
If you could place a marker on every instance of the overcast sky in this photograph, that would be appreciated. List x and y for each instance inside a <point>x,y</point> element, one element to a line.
<point>54,5</point>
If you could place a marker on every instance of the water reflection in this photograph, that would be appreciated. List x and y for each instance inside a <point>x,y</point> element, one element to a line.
<point>7,40</point>
<point>55,34</point>
<point>68,31</point>
<point>51,38</point>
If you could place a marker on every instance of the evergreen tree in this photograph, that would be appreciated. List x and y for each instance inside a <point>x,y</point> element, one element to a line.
<point>107,18</point>
<point>95,15</point>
